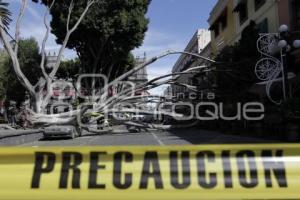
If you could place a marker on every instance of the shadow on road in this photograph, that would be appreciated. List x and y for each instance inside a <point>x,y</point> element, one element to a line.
<point>197,136</point>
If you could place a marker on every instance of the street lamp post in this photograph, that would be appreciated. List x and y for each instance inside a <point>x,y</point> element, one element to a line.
<point>285,47</point>
<point>282,45</point>
<point>270,68</point>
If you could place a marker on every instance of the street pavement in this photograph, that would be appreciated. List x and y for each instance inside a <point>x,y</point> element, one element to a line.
<point>122,137</point>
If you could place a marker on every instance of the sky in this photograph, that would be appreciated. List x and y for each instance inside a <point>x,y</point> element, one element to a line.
<point>172,25</point>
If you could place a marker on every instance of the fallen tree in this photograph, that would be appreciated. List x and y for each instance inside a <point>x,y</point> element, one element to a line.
<point>102,102</point>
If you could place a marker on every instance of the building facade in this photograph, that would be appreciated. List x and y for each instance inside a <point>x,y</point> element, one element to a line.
<point>263,12</point>
<point>221,25</point>
<point>289,14</point>
<point>269,15</point>
<point>140,76</point>
<point>51,60</point>
<point>230,17</point>
<point>199,44</point>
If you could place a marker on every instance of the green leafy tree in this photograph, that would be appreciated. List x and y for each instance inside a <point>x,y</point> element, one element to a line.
<point>29,58</point>
<point>3,60</point>
<point>107,35</point>
<point>5,14</point>
<point>69,69</point>
<point>237,74</point>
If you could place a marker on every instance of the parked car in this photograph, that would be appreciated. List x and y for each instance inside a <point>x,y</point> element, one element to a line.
<point>62,132</point>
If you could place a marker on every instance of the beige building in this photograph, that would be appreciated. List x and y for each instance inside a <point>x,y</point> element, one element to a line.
<point>268,15</point>
<point>222,26</point>
<point>230,17</point>
<point>263,12</point>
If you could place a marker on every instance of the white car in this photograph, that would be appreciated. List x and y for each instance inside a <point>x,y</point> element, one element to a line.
<point>62,132</point>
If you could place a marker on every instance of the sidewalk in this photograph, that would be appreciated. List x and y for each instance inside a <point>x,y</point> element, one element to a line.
<point>17,137</point>
<point>14,133</point>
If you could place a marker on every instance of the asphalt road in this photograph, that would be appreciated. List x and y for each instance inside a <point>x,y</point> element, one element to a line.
<point>152,137</point>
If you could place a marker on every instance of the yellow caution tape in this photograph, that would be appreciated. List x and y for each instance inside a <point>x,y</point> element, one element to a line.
<point>147,173</point>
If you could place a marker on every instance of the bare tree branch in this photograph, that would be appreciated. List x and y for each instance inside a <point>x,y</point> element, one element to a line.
<point>43,51</point>
<point>49,78</point>
<point>109,103</point>
<point>16,65</point>
<point>68,34</point>
<point>148,86</point>
<point>143,65</point>
<point>69,15</point>
<point>104,92</point>
<point>18,25</point>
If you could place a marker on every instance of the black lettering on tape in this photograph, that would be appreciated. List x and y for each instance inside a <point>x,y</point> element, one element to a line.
<point>70,161</point>
<point>94,168</point>
<point>227,170</point>
<point>186,173</point>
<point>202,170</point>
<point>272,164</point>
<point>241,163</point>
<point>117,173</point>
<point>151,161</point>
<point>40,158</point>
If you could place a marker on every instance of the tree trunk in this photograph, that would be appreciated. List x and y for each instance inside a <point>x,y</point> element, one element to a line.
<point>36,104</point>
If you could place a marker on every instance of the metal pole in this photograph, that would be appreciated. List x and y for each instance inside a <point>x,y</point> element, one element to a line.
<point>284,75</point>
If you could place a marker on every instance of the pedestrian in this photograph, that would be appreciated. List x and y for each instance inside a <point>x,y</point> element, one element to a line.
<point>12,111</point>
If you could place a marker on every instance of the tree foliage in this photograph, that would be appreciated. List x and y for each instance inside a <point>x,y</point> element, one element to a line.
<point>107,35</point>
<point>3,60</point>
<point>29,58</point>
<point>238,74</point>
<point>69,69</point>
<point>5,14</point>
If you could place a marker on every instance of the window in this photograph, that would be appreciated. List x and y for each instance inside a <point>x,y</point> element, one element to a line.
<point>217,31</point>
<point>259,4</point>
<point>224,23</point>
<point>243,11</point>
<point>223,19</point>
<point>220,24</point>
